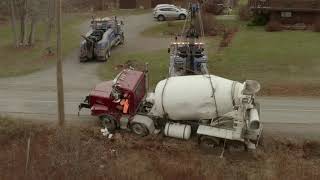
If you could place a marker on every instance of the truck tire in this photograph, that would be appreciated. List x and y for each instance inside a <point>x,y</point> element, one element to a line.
<point>83,59</point>
<point>139,129</point>
<point>107,56</point>
<point>122,39</point>
<point>257,106</point>
<point>161,18</point>
<point>108,122</point>
<point>208,143</point>
<point>182,17</point>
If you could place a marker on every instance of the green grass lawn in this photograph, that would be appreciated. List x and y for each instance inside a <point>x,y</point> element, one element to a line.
<point>285,63</point>
<point>21,61</point>
<point>24,60</point>
<point>163,29</point>
<point>279,60</point>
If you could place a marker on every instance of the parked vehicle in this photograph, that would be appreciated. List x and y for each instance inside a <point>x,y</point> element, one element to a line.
<point>163,6</point>
<point>167,12</point>
<point>105,34</point>
<point>214,108</point>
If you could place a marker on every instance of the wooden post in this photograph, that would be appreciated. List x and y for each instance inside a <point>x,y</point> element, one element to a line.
<point>27,156</point>
<point>59,67</point>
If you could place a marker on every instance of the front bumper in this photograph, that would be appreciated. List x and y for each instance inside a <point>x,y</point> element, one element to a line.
<point>84,104</point>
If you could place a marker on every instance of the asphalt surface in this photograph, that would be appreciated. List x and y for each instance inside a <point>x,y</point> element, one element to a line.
<point>34,96</point>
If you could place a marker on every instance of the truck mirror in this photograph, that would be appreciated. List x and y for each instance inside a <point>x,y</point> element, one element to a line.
<point>169,50</point>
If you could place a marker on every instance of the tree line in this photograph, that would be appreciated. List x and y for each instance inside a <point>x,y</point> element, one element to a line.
<point>25,16</point>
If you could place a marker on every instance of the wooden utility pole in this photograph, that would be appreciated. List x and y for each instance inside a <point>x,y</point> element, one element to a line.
<point>59,67</point>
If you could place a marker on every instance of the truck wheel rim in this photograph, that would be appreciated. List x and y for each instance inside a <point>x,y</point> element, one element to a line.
<point>209,143</point>
<point>138,129</point>
<point>108,123</point>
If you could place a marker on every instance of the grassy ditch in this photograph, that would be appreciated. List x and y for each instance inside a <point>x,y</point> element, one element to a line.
<point>83,153</point>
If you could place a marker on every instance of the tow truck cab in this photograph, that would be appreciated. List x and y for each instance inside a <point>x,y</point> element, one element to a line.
<point>105,99</point>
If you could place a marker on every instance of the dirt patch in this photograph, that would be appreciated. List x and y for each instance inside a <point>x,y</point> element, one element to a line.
<point>227,37</point>
<point>82,152</point>
<point>134,64</point>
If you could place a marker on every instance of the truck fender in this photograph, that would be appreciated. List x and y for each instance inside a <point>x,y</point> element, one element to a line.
<point>145,120</point>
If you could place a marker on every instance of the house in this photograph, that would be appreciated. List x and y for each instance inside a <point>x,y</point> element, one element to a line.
<point>288,12</point>
<point>145,4</point>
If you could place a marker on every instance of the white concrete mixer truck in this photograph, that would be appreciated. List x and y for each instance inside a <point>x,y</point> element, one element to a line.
<point>213,108</point>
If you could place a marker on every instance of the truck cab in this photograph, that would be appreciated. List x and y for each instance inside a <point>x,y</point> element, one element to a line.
<point>117,100</point>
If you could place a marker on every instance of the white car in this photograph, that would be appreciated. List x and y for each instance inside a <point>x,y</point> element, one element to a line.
<point>163,6</point>
<point>167,12</point>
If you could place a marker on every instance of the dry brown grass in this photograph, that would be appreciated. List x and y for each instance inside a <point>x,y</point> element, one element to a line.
<point>82,153</point>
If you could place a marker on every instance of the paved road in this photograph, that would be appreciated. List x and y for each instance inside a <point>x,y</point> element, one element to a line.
<point>291,115</point>
<point>34,96</point>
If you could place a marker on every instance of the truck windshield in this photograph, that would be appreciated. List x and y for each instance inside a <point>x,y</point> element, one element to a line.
<point>101,24</point>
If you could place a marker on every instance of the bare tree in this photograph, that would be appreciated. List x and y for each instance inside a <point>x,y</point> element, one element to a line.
<point>34,14</point>
<point>12,8</point>
<point>50,24</point>
<point>23,4</point>
<point>31,39</point>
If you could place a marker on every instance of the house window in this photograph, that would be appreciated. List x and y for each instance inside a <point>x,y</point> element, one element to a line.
<point>286,14</point>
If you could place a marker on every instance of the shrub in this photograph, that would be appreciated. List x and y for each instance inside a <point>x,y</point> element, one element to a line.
<point>259,20</point>
<point>273,26</point>
<point>244,13</point>
<point>210,26</point>
<point>227,37</point>
<point>316,27</point>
